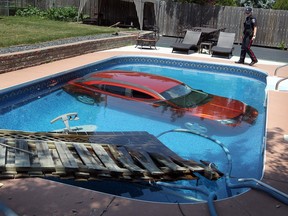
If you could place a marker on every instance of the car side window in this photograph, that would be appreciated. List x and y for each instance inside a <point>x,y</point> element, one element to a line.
<point>123,91</point>
<point>138,94</point>
<point>114,89</point>
<point>97,86</point>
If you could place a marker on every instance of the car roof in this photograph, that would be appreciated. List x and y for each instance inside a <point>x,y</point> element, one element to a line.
<point>155,82</point>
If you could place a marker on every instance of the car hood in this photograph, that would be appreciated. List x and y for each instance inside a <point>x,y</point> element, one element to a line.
<point>219,108</point>
<point>209,106</point>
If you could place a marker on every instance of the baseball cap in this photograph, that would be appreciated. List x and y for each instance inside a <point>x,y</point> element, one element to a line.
<point>248,10</point>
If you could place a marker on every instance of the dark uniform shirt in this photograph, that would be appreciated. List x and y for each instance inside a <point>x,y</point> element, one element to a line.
<point>249,25</point>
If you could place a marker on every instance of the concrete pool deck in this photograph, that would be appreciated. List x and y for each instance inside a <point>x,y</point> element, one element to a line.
<point>36,196</point>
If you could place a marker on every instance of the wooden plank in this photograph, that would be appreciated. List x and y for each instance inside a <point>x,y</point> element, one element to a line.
<point>211,171</point>
<point>10,156</point>
<point>122,155</point>
<point>59,168</point>
<point>105,158</point>
<point>81,159</point>
<point>87,157</point>
<point>192,165</point>
<point>2,153</point>
<point>66,156</point>
<point>143,158</point>
<point>166,161</point>
<point>11,145</point>
<point>35,166</point>
<point>22,159</point>
<point>8,174</point>
<point>56,158</point>
<point>45,158</point>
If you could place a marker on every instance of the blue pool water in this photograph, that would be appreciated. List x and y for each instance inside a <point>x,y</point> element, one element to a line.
<point>245,144</point>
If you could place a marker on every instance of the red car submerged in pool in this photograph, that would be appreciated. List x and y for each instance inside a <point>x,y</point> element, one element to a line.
<point>156,91</point>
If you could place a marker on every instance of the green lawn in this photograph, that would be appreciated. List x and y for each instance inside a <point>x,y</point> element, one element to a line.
<point>29,30</point>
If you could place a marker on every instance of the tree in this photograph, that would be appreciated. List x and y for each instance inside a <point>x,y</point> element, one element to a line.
<point>202,2</point>
<point>267,4</point>
<point>281,5</point>
<point>226,2</point>
<point>211,2</point>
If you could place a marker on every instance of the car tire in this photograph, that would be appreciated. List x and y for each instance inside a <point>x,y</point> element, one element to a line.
<point>86,99</point>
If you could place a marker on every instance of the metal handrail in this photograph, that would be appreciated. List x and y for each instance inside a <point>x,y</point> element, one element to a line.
<point>265,185</point>
<point>279,81</point>
<point>275,72</point>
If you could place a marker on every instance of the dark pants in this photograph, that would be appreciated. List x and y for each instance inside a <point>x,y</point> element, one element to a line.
<point>246,48</point>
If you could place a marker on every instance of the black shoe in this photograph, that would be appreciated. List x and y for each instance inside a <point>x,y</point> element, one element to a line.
<point>253,62</point>
<point>239,62</point>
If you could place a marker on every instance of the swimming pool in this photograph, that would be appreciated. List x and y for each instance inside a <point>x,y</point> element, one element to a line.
<point>44,101</point>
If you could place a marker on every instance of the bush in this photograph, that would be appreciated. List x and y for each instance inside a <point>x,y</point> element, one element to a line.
<point>60,14</point>
<point>280,5</point>
<point>29,11</point>
<point>63,14</point>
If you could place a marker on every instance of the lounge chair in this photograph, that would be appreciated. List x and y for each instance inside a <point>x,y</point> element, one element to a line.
<point>224,44</point>
<point>189,42</point>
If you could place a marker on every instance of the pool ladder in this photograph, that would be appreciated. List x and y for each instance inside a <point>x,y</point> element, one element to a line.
<point>275,73</point>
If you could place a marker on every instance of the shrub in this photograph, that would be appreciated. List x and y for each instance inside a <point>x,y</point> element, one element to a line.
<point>59,14</point>
<point>29,11</point>
<point>282,45</point>
<point>63,14</point>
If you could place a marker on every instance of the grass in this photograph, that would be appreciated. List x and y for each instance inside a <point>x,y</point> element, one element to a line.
<point>30,30</point>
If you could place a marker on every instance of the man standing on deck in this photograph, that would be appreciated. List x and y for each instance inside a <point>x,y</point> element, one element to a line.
<point>249,35</point>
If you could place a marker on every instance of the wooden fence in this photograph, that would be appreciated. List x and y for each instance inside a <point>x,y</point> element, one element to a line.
<point>172,17</point>
<point>272,24</point>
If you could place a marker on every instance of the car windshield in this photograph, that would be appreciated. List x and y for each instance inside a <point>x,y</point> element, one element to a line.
<point>184,96</point>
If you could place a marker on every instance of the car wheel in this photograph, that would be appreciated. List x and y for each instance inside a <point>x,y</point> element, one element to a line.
<point>86,99</point>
